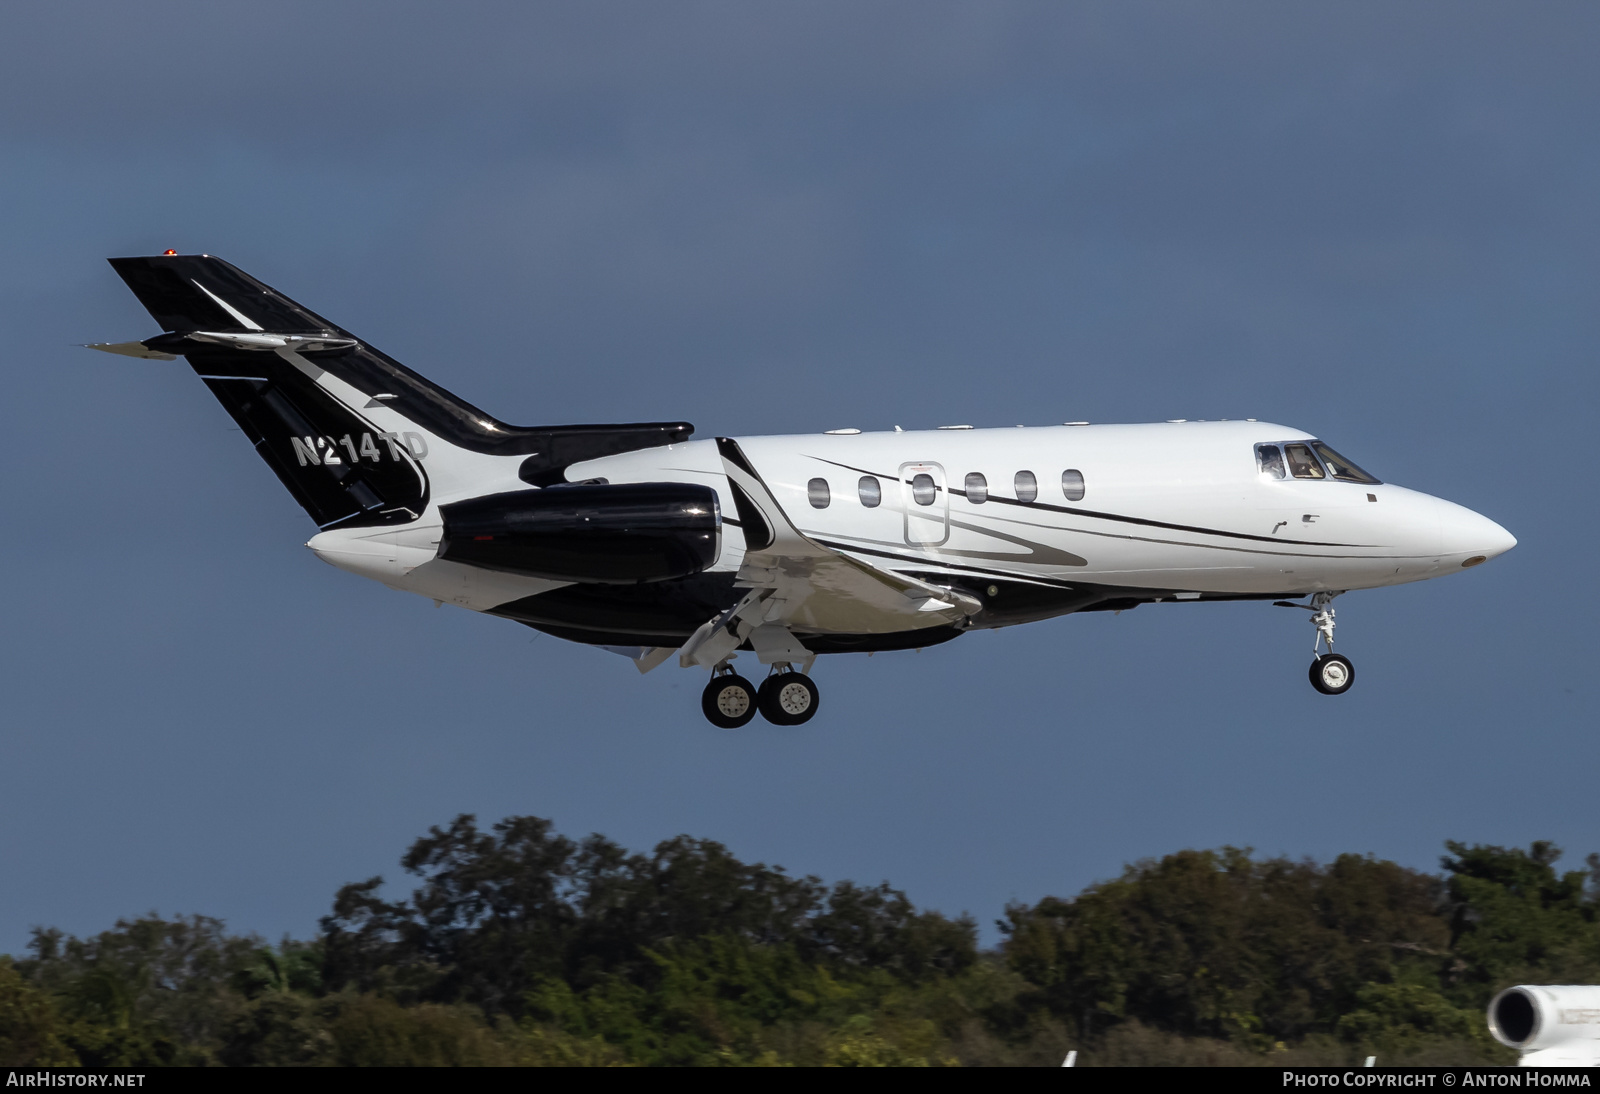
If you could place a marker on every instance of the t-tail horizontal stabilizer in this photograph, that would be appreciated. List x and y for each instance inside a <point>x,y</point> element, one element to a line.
<point>167,347</point>
<point>131,349</point>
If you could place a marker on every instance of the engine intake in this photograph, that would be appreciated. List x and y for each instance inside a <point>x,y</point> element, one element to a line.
<point>1554,1025</point>
<point>618,534</point>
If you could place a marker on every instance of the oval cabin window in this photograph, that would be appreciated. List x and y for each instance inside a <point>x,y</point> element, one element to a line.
<point>1072,485</point>
<point>1027,486</point>
<point>870,490</point>
<point>977,488</point>
<point>923,489</point>
<point>817,493</point>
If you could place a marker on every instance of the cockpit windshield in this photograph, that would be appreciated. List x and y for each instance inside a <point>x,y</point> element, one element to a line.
<point>1300,460</point>
<point>1302,464</point>
<point>1341,468</point>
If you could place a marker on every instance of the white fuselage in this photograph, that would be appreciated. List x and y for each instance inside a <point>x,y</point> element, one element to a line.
<point>1177,507</point>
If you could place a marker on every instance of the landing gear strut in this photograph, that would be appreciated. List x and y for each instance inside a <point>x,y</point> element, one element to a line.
<point>1331,673</point>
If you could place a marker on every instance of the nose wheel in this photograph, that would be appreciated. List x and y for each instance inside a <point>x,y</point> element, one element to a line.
<point>1331,673</point>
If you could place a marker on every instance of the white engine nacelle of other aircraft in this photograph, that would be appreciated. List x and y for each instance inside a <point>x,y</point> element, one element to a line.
<point>1553,1025</point>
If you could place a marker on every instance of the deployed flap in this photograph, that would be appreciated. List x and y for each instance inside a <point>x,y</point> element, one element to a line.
<point>817,588</point>
<point>774,644</point>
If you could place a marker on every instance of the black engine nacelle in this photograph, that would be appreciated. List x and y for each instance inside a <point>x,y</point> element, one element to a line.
<point>605,534</point>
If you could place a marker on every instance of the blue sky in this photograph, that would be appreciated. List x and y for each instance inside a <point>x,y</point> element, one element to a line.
<point>1374,222</point>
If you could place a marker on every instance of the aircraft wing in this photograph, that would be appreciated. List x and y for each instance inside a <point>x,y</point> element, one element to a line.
<point>796,583</point>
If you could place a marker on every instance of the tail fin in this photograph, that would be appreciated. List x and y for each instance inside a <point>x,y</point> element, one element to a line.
<point>345,427</point>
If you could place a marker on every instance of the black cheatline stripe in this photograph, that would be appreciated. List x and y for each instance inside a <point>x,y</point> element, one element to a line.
<point>1111,516</point>
<point>1153,539</point>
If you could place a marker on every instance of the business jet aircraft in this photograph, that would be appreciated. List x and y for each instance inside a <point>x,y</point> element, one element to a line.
<point>641,541</point>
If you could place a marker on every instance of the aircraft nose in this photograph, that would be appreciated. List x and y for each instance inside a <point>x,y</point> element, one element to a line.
<point>1472,538</point>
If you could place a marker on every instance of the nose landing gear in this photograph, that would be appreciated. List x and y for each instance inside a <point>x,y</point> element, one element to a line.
<point>1331,673</point>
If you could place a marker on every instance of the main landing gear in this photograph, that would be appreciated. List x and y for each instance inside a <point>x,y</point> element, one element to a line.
<point>1331,673</point>
<point>729,701</point>
<point>786,698</point>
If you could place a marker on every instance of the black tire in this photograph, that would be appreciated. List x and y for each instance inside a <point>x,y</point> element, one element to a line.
<point>729,701</point>
<point>788,699</point>
<point>1332,674</point>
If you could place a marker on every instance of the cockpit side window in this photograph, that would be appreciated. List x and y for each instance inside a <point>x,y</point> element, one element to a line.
<point>1341,468</point>
<point>1269,459</point>
<point>1302,464</point>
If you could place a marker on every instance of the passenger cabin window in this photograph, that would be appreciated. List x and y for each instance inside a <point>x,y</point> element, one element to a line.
<point>870,491</point>
<point>1026,485</point>
<point>977,488</point>
<point>1341,468</point>
<point>817,493</point>
<point>1269,459</point>
<point>923,489</point>
<point>1302,464</point>
<point>1072,485</point>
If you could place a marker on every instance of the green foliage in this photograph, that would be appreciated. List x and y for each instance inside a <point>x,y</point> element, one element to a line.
<point>1216,944</point>
<point>290,967</point>
<point>277,1029</point>
<point>522,947</point>
<point>1399,1020</point>
<point>499,913</point>
<point>860,1043</point>
<point>148,992</point>
<point>724,1000</point>
<point>32,1030</point>
<point>1514,919</point>
<point>370,1031</point>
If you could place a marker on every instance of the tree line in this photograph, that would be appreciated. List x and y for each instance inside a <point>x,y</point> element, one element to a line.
<point>521,946</point>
